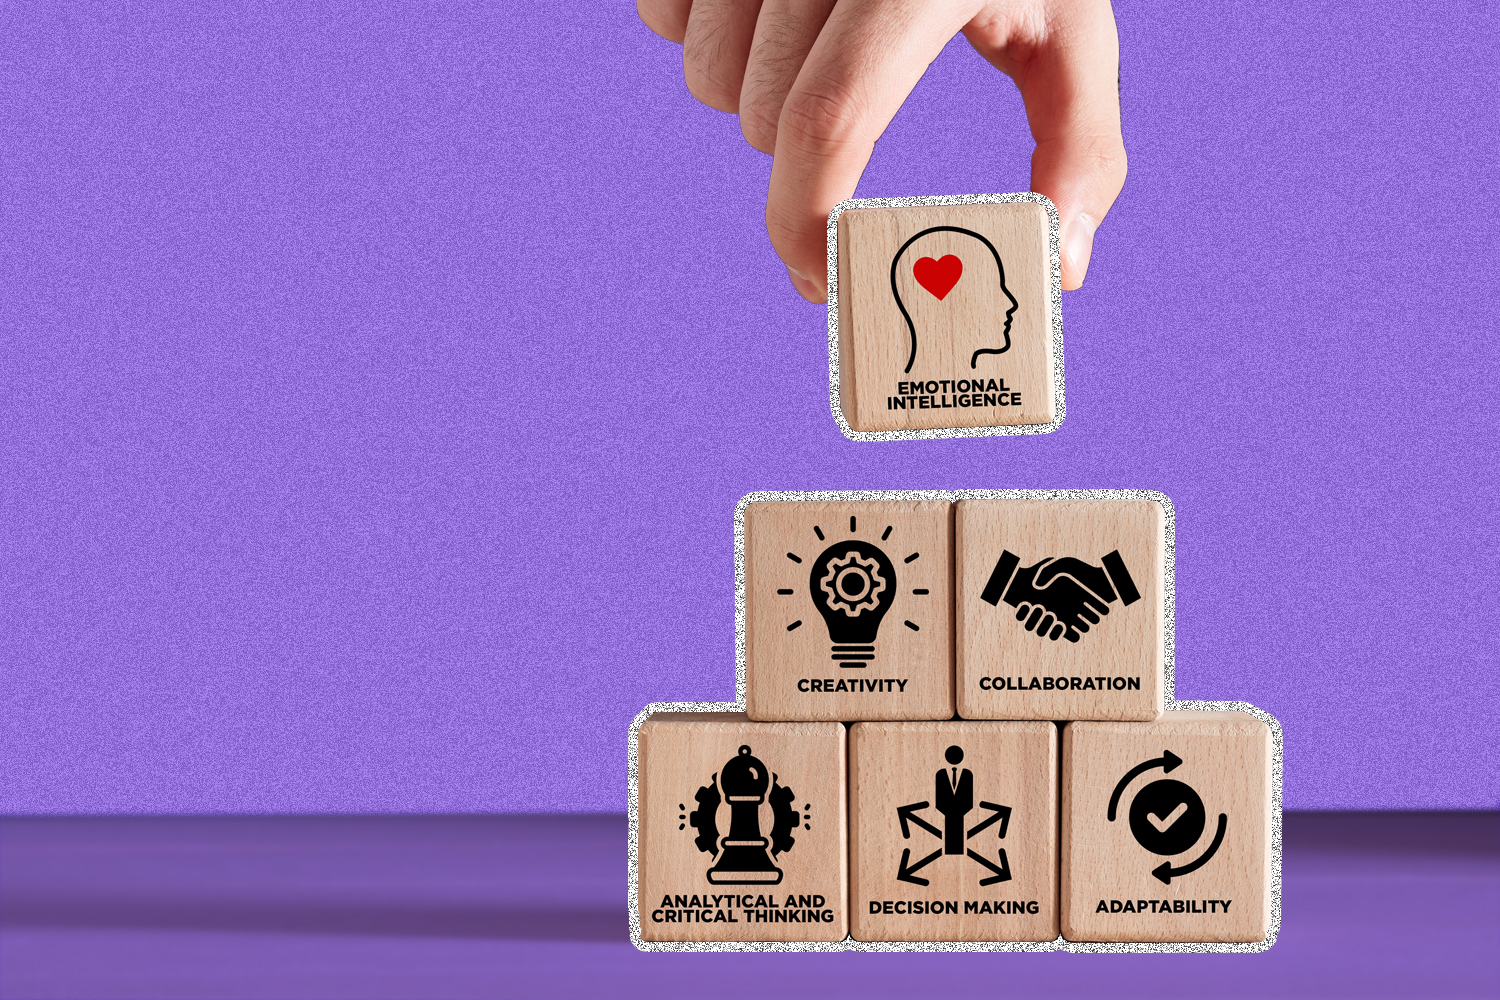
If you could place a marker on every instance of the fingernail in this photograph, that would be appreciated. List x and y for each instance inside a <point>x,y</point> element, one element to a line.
<point>1078,247</point>
<point>812,291</point>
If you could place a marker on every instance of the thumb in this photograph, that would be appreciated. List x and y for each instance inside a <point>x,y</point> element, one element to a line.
<point>1071,86</point>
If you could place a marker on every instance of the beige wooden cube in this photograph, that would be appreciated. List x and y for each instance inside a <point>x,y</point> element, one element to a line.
<point>848,610</point>
<point>953,831</point>
<point>1166,829</point>
<point>742,829</point>
<point>1059,609</point>
<point>945,316</point>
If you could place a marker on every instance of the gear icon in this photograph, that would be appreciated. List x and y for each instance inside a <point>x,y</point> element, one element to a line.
<point>853,584</point>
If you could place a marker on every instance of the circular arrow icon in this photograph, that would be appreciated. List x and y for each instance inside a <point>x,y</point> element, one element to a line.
<point>1167,817</point>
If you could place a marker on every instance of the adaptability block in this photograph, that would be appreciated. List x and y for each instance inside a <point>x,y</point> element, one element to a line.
<point>848,610</point>
<point>945,316</point>
<point>1166,829</point>
<point>953,831</point>
<point>741,832</point>
<point>1060,609</point>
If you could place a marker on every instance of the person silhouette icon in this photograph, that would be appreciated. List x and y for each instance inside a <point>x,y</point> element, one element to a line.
<point>955,799</point>
<point>949,284</point>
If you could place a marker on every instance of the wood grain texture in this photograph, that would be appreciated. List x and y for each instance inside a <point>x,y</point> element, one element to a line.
<point>952,320</point>
<point>1226,760</point>
<point>894,764</point>
<point>681,752</point>
<point>789,667</point>
<point>997,659</point>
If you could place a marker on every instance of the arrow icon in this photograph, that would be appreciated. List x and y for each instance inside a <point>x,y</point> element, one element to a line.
<point>909,813</point>
<point>1168,762</point>
<point>910,874</point>
<point>1002,874</point>
<point>1165,871</point>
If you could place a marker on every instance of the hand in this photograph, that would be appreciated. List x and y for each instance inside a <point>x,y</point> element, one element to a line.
<point>1052,602</point>
<point>816,84</point>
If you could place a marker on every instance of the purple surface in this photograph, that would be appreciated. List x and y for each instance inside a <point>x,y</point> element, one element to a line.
<point>1376,905</point>
<point>376,390</point>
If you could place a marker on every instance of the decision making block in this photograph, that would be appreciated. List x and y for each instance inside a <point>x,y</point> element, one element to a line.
<point>953,831</point>
<point>741,829</point>
<point>848,610</point>
<point>1166,829</point>
<point>1059,609</point>
<point>945,316</point>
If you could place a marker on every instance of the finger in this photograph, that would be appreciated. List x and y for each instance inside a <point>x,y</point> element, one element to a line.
<point>1036,616</point>
<point>1070,82</point>
<point>1087,611</point>
<point>715,49</point>
<point>1045,626</point>
<point>668,18</point>
<point>868,57</point>
<point>1057,631</point>
<point>1022,611</point>
<point>784,34</point>
<point>1080,624</point>
<point>1072,635</point>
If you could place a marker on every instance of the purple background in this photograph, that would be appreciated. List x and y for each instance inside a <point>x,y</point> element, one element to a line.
<point>376,391</point>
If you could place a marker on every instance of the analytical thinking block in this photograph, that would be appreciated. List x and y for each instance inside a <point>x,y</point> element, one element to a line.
<point>946,315</point>
<point>741,829</point>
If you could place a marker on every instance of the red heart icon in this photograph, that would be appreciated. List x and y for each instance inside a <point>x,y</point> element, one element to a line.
<point>938,276</point>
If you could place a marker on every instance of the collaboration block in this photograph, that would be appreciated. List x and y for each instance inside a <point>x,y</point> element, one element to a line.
<point>1060,609</point>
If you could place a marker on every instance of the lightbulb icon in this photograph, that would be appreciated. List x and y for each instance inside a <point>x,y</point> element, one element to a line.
<point>853,585</point>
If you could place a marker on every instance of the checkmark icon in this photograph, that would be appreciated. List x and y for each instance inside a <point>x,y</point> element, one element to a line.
<point>1172,817</point>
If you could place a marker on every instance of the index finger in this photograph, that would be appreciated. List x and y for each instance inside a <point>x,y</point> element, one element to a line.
<point>869,56</point>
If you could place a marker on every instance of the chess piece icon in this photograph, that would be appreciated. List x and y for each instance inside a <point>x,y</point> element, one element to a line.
<point>742,857</point>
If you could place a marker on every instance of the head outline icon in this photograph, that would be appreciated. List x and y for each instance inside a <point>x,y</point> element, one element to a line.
<point>911,326</point>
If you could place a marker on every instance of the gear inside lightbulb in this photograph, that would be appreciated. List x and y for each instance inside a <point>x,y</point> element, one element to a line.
<point>853,584</point>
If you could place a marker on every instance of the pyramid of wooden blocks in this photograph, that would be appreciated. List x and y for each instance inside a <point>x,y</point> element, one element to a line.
<point>954,732</point>
<point>945,316</point>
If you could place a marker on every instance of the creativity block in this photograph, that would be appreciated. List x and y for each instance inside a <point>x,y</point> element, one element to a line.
<point>848,610</point>
<point>741,829</point>
<point>1059,609</point>
<point>945,316</point>
<point>953,831</point>
<point>1166,829</point>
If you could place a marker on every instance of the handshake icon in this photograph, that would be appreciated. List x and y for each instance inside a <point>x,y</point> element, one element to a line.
<point>1060,598</point>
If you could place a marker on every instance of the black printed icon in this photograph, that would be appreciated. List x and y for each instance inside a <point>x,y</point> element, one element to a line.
<point>852,584</point>
<point>740,856</point>
<point>938,277</point>
<point>1060,598</point>
<point>953,792</point>
<point>1167,817</point>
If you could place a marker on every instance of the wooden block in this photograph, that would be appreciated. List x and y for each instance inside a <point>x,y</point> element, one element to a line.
<point>945,316</point>
<point>1166,829</point>
<point>1059,609</point>
<point>741,828</point>
<point>848,610</point>
<point>953,831</point>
